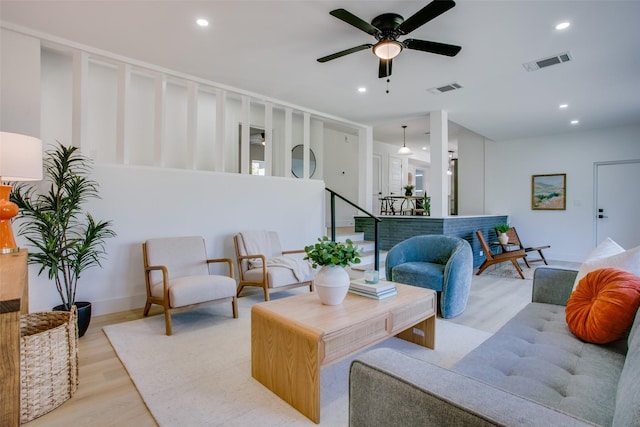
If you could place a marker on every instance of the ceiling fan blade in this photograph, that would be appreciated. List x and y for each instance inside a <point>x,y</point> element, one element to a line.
<point>345,52</point>
<point>384,69</point>
<point>352,19</point>
<point>426,14</point>
<point>432,47</point>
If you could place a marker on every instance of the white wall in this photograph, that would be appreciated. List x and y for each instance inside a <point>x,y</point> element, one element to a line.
<point>152,202</point>
<point>509,166</point>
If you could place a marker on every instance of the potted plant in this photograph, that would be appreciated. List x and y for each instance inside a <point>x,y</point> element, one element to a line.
<point>408,190</point>
<point>66,239</point>
<point>332,281</point>
<point>502,229</point>
<point>426,205</point>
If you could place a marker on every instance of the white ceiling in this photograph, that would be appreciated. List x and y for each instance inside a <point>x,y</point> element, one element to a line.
<point>271,47</point>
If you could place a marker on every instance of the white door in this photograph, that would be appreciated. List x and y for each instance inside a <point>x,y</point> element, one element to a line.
<point>395,176</point>
<point>618,202</point>
<point>377,182</point>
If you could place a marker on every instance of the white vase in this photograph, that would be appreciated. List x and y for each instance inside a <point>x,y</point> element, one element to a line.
<point>332,284</point>
<point>503,238</point>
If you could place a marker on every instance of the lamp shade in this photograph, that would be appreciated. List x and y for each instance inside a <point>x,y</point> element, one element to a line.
<point>387,49</point>
<point>20,160</point>
<point>20,157</point>
<point>404,149</point>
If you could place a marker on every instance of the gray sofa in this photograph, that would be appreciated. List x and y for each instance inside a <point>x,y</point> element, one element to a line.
<point>532,372</point>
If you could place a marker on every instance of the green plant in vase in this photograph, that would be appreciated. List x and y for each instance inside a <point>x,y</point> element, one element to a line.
<point>329,253</point>
<point>502,233</point>
<point>332,280</point>
<point>66,240</point>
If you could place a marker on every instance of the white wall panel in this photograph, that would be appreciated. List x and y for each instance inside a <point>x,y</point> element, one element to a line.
<point>175,153</point>
<point>57,88</point>
<point>140,137</point>
<point>102,104</point>
<point>205,146</point>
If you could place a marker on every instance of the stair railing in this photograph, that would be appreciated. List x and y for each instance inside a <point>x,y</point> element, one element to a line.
<point>376,223</point>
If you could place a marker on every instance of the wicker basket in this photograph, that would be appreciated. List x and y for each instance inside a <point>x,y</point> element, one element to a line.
<point>48,361</point>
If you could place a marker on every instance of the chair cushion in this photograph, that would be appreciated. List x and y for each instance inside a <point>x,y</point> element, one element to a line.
<point>276,276</point>
<point>257,242</point>
<point>604,305</point>
<point>424,274</point>
<point>183,256</point>
<point>262,242</point>
<point>196,289</point>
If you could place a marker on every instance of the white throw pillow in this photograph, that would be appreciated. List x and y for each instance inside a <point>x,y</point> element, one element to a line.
<point>610,254</point>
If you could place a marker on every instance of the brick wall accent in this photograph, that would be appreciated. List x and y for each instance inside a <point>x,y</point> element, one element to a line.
<point>395,229</point>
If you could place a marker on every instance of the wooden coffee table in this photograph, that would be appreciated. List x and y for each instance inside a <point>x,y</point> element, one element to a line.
<point>292,338</point>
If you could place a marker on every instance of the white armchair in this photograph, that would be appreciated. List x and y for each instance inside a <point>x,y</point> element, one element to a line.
<point>176,271</point>
<point>262,263</point>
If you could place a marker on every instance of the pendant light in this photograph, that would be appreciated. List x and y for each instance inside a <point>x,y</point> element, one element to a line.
<point>404,149</point>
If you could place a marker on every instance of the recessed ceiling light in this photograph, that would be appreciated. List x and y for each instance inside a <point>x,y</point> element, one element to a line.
<point>563,26</point>
<point>202,22</point>
<point>362,89</point>
<point>563,106</point>
<point>424,148</point>
<point>575,122</point>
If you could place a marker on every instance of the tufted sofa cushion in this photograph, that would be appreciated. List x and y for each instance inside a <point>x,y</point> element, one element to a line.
<point>536,356</point>
<point>627,407</point>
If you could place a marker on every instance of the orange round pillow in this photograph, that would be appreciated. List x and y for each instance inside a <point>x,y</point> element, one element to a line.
<point>604,305</point>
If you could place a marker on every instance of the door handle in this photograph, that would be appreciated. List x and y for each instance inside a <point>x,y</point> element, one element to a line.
<point>600,216</point>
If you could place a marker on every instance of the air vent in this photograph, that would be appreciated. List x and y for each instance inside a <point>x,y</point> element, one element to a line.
<point>547,62</point>
<point>446,88</point>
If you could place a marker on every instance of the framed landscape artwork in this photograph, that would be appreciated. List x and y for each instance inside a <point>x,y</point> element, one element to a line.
<point>548,192</point>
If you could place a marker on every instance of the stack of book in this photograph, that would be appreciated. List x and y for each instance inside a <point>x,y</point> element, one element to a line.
<point>380,290</point>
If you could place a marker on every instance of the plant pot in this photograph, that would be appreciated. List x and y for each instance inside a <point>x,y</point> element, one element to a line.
<point>408,193</point>
<point>84,315</point>
<point>503,238</point>
<point>332,284</point>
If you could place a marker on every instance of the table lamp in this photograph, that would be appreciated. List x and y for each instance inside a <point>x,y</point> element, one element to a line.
<point>20,160</point>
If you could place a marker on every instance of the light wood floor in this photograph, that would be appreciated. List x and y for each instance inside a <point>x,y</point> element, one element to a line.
<point>106,395</point>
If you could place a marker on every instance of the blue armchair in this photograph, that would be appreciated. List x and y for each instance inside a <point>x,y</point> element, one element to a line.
<point>441,263</point>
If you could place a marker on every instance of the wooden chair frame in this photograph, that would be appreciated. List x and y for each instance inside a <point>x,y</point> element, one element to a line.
<point>264,283</point>
<point>515,240</point>
<point>164,301</point>
<point>492,258</point>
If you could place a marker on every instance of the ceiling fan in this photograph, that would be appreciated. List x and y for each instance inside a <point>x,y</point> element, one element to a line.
<point>387,27</point>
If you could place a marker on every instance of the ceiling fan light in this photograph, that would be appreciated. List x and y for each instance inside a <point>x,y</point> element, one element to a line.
<point>387,49</point>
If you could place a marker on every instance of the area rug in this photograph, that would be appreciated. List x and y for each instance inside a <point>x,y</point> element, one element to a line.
<point>506,269</point>
<point>201,375</point>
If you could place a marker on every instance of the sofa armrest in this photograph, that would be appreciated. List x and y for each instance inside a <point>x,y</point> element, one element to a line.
<point>388,388</point>
<point>553,285</point>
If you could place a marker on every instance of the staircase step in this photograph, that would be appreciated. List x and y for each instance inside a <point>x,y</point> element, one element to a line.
<point>354,237</point>
<point>364,245</point>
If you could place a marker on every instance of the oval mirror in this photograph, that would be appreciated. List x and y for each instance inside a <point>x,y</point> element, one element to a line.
<point>297,161</point>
